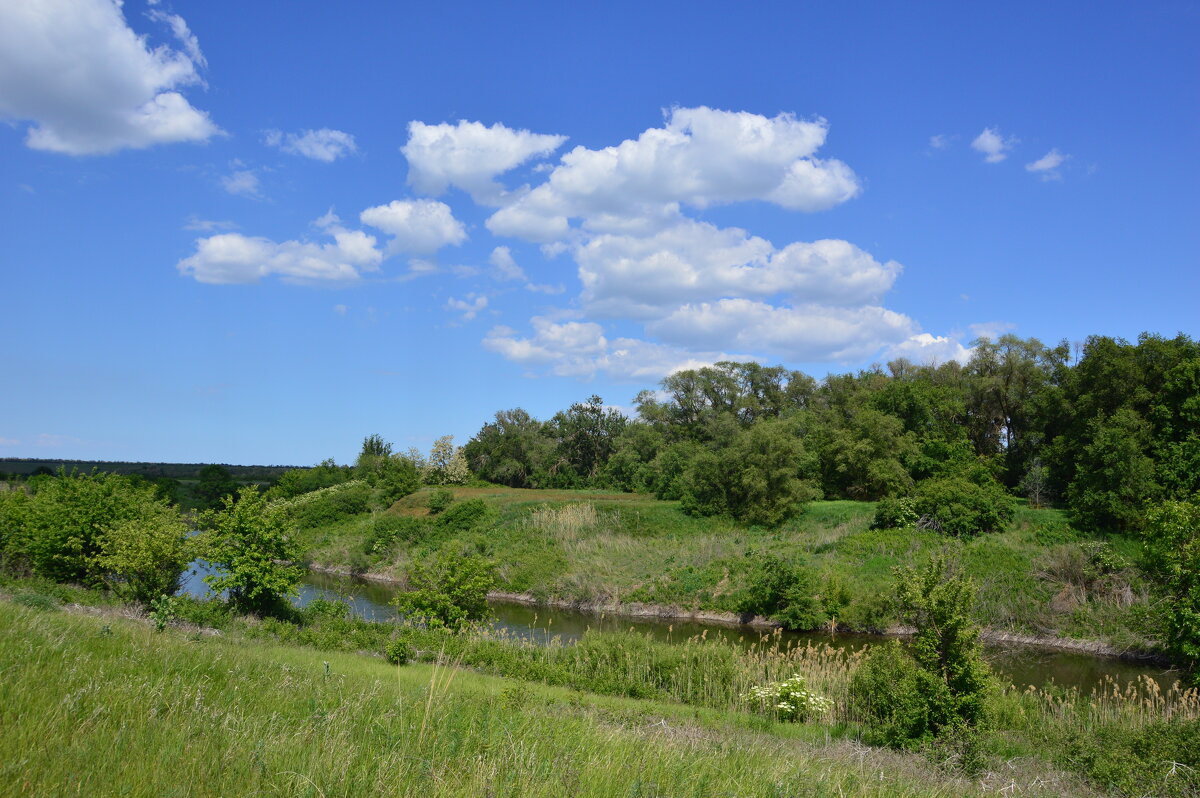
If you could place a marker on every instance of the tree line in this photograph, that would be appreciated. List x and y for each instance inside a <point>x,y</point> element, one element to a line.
<point>1101,430</point>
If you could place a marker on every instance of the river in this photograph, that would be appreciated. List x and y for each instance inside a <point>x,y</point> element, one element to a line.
<point>1021,665</point>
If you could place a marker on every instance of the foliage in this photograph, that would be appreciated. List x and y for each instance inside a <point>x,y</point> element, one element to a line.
<point>446,464</point>
<point>790,700</point>
<point>1172,544</point>
<point>758,479</point>
<point>387,530</point>
<point>1114,476</point>
<point>250,544</point>
<point>143,558</point>
<point>958,506</point>
<point>895,513</point>
<point>906,704</point>
<point>298,481</point>
<point>328,505</point>
<point>215,483</point>
<point>783,591</point>
<point>448,590</point>
<point>439,500</point>
<point>463,517</point>
<point>397,652</point>
<point>162,611</point>
<point>60,531</point>
<point>938,604</point>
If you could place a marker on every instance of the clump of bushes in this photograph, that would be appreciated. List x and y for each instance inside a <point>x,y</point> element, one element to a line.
<point>439,500</point>
<point>784,591</point>
<point>330,505</point>
<point>895,512</point>
<point>463,517</point>
<point>940,684</point>
<point>959,506</point>
<point>388,530</point>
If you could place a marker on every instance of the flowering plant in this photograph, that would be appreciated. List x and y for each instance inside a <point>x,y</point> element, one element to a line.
<point>789,700</point>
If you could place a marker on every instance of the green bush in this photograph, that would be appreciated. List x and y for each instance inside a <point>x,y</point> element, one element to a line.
<point>330,505</point>
<point>249,542</point>
<point>783,591</point>
<point>388,530</point>
<point>448,590</point>
<point>905,704</point>
<point>959,506</point>
<point>463,517</point>
<point>397,652</point>
<point>439,500</point>
<point>895,513</point>
<point>1161,758</point>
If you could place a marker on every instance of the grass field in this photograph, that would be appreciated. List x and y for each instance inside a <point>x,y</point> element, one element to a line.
<point>104,706</point>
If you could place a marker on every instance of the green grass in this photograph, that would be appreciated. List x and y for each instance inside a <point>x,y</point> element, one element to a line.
<point>609,549</point>
<point>104,706</point>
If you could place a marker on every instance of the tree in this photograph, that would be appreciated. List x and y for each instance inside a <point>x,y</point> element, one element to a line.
<point>1172,544</point>
<point>509,450</point>
<point>143,558</point>
<point>586,436</point>
<point>446,464</point>
<point>249,542</point>
<point>959,506</point>
<point>215,483</point>
<point>448,590</point>
<point>1114,477</point>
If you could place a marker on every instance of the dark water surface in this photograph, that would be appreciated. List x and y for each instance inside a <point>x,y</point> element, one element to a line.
<point>1022,665</point>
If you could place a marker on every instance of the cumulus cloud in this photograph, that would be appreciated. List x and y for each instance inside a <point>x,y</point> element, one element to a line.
<point>1047,166</point>
<point>469,307</point>
<point>243,183</point>
<point>235,258</point>
<point>580,349</point>
<point>470,156</point>
<point>416,226</point>
<point>89,85</point>
<point>994,146</point>
<point>701,157</point>
<point>320,145</point>
<point>638,276</point>
<point>926,349</point>
<point>804,333</point>
<point>503,265</point>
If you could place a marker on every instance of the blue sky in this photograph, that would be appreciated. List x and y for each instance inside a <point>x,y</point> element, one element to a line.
<point>257,232</point>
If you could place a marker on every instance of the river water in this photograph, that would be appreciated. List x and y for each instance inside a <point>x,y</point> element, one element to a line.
<point>1021,665</point>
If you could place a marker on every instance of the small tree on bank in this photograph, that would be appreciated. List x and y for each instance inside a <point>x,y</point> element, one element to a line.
<point>251,545</point>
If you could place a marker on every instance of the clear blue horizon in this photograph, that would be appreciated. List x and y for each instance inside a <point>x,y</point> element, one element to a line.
<point>256,233</point>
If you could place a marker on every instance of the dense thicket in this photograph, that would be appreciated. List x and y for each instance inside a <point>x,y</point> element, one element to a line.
<point>1101,429</point>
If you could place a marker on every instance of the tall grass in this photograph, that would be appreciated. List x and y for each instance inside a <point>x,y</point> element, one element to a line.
<point>117,710</point>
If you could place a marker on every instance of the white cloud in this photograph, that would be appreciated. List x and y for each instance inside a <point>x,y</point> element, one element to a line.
<point>503,265</point>
<point>416,226</point>
<point>701,157</point>
<point>803,333</point>
<point>469,307</point>
<point>320,145</point>
<point>243,183</point>
<point>187,39</point>
<point>939,142</point>
<point>991,329</point>
<point>340,310</point>
<point>235,258</point>
<point>470,156</point>
<point>693,261</point>
<point>1047,166</point>
<point>90,85</point>
<point>194,222</point>
<point>926,349</point>
<point>580,349</point>
<point>994,147</point>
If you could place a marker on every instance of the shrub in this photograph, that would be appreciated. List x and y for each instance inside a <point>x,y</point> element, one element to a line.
<point>783,591</point>
<point>387,530</point>
<point>904,704</point>
<point>895,513</point>
<point>958,506</point>
<point>397,652</point>
<point>249,543</point>
<point>439,500</point>
<point>448,590</point>
<point>162,612</point>
<point>1172,540</point>
<point>463,517</point>
<point>320,609</point>
<point>143,558</point>
<point>330,505</point>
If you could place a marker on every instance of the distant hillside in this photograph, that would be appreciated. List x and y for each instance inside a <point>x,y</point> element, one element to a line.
<point>181,471</point>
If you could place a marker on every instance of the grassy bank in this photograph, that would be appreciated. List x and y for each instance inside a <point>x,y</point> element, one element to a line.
<point>1038,577</point>
<point>104,706</point>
